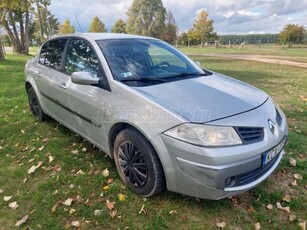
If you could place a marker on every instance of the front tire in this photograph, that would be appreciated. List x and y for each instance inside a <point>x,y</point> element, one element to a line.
<point>35,106</point>
<point>138,164</point>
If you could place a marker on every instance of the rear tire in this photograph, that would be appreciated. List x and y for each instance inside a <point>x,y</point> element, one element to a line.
<point>138,164</point>
<point>35,106</point>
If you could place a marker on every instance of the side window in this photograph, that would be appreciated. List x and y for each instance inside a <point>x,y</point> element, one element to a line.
<point>42,55</point>
<point>81,58</point>
<point>54,53</point>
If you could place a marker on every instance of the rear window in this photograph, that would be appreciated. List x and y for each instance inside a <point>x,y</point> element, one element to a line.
<point>52,53</point>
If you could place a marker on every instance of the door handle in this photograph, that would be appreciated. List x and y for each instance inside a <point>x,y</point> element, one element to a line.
<point>63,85</point>
<point>36,72</point>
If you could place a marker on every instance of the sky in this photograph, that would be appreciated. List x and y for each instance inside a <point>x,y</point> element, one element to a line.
<point>230,16</point>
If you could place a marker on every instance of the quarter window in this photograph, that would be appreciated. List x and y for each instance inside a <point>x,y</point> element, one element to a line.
<point>81,58</point>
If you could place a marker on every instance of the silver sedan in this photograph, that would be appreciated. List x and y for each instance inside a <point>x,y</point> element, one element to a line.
<point>165,121</point>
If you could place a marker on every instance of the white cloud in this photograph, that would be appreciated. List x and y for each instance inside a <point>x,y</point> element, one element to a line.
<point>231,16</point>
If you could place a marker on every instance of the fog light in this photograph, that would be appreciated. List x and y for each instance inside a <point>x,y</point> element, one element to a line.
<point>230,181</point>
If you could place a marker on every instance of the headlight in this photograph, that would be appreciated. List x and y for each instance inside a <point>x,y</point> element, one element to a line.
<point>205,135</point>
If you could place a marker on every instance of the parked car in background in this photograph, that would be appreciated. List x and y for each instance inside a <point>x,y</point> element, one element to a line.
<point>165,121</point>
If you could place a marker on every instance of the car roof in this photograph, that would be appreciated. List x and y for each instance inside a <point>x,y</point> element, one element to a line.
<point>104,36</point>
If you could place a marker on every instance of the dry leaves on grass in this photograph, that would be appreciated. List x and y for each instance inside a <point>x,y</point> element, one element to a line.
<point>294,183</point>
<point>257,226</point>
<point>280,207</point>
<point>143,210</point>
<point>221,225</point>
<point>110,205</point>
<point>121,197</point>
<point>292,218</point>
<point>97,212</point>
<point>302,225</point>
<point>287,198</point>
<point>68,202</point>
<point>13,205</point>
<point>105,173</point>
<point>22,221</point>
<point>33,168</point>
<point>113,213</point>
<point>298,176</point>
<point>292,162</point>
<point>269,206</point>
<point>7,198</point>
<point>75,224</point>
<point>1,191</point>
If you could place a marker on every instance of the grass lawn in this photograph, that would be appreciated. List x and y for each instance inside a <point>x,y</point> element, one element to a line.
<point>69,167</point>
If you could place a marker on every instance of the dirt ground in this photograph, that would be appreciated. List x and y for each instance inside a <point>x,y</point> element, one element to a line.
<point>261,58</point>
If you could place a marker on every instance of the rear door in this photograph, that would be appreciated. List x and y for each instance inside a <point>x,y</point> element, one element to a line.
<point>50,79</point>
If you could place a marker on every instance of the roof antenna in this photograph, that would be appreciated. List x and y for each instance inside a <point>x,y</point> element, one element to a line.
<point>79,23</point>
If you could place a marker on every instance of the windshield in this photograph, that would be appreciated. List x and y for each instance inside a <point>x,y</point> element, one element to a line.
<point>147,61</point>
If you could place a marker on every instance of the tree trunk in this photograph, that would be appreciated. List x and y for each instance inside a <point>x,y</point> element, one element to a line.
<point>2,56</point>
<point>47,22</point>
<point>18,46</point>
<point>26,35</point>
<point>40,22</point>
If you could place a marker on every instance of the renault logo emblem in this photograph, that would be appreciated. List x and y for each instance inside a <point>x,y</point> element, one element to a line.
<point>272,127</point>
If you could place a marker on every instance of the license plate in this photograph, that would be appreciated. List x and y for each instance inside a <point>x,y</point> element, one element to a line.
<point>267,157</point>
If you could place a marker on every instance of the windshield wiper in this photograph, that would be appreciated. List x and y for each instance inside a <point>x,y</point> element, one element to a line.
<point>185,75</point>
<point>147,79</point>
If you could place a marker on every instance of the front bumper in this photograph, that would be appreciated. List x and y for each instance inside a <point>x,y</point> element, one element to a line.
<point>205,172</point>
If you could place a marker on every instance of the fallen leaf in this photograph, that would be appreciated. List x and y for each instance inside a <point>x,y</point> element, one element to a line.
<point>68,202</point>
<point>173,212</point>
<point>121,197</point>
<point>1,191</point>
<point>22,221</point>
<point>71,186</point>
<point>298,176</point>
<point>110,205</point>
<point>143,210</point>
<point>32,169</point>
<point>105,188</point>
<point>269,206</point>
<point>302,225</point>
<point>87,202</point>
<point>1,147</point>
<point>84,150</point>
<point>54,207</point>
<point>280,207</point>
<point>50,158</point>
<point>80,172</point>
<point>292,218</point>
<point>221,225</point>
<point>287,198</point>
<point>294,183</point>
<point>292,162</point>
<point>41,148</point>
<point>97,212</point>
<point>22,131</point>
<point>13,205</point>
<point>72,211</point>
<point>45,140</point>
<point>7,198</point>
<point>75,151</point>
<point>113,213</point>
<point>39,164</point>
<point>105,172</point>
<point>109,181</point>
<point>75,224</point>
<point>257,226</point>
<point>31,160</point>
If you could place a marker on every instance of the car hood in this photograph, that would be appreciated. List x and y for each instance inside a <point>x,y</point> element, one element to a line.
<point>204,99</point>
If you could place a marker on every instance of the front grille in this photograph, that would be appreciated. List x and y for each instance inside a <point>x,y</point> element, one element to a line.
<point>250,135</point>
<point>251,176</point>
<point>278,117</point>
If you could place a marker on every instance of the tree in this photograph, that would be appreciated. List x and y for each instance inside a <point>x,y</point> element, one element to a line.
<point>170,31</point>
<point>146,17</point>
<point>97,26</point>
<point>119,27</point>
<point>291,34</point>
<point>49,25</point>
<point>66,28</point>
<point>183,39</point>
<point>15,18</point>
<point>203,30</point>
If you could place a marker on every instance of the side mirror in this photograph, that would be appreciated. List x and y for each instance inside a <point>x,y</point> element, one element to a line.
<point>198,63</point>
<point>84,78</point>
